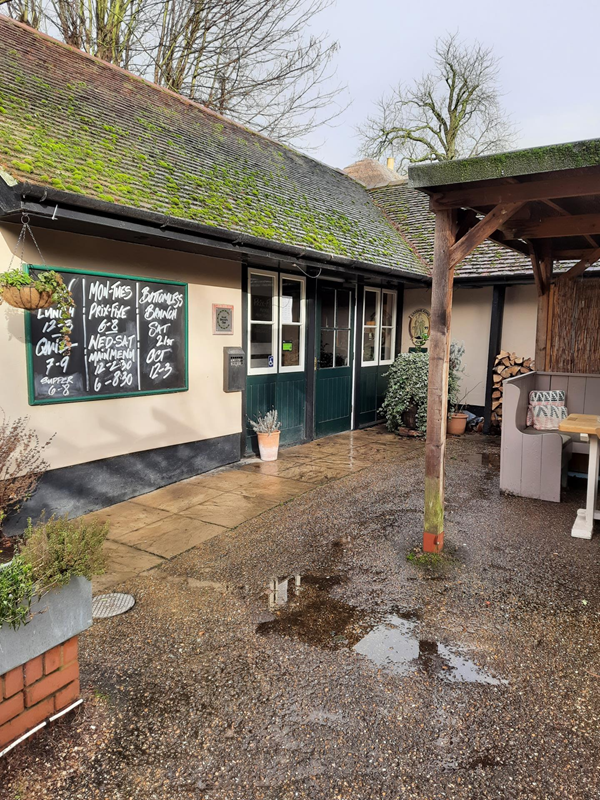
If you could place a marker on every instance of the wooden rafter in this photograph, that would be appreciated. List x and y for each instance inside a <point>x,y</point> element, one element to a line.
<point>549,227</point>
<point>580,267</point>
<point>548,189</point>
<point>537,270</point>
<point>477,234</point>
<point>564,213</point>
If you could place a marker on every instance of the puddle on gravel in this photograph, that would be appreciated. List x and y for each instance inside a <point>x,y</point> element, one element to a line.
<point>304,610</point>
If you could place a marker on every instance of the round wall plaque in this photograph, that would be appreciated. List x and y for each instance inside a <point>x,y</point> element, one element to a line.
<point>419,325</point>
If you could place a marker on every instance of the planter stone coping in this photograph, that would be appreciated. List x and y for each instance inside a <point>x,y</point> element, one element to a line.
<point>58,616</point>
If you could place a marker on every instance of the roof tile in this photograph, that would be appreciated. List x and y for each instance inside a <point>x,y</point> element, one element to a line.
<point>73,122</point>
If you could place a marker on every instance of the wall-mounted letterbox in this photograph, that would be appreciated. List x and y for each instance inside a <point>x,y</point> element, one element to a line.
<point>234,369</point>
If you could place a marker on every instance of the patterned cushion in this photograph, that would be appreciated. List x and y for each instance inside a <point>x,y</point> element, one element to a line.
<point>546,416</point>
<point>556,397</point>
<point>544,411</point>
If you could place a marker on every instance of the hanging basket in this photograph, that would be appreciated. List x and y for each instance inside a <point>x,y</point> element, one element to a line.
<point>26,297</point>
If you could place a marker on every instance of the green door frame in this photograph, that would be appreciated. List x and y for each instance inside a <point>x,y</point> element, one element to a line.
<point>333,385</point>
<point>289,392</point>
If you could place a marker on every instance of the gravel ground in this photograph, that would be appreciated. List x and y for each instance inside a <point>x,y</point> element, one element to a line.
<point>202,691</point>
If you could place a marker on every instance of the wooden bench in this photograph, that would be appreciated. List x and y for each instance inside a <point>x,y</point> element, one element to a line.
<point>534,463</point>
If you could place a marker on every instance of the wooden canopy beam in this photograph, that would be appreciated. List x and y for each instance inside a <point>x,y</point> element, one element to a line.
<point>550,227</point>
<point>480,232</point>
<point>543,311</point>
<point>536,266</point>
<point>580,267</point>
<point>548,189</point>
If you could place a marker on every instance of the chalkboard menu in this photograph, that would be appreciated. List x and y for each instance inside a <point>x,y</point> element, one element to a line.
<point>128,337</point>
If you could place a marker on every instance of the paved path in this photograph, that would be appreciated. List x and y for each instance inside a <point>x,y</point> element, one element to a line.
<point>154,527</point>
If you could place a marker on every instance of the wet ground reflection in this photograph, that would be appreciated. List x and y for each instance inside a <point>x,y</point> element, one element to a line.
<point>305,610</point>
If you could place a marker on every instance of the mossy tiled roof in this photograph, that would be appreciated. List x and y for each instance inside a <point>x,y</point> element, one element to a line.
<point>530,161</point>
<point>75,123</point>
<point>409,209</point>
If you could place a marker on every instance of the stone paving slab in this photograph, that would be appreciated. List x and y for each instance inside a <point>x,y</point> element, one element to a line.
<point>171,536</point>
<point>177,496</point>
<point>148,529</point>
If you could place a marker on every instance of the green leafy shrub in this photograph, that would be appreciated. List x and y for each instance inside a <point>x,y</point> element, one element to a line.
<point>16,592</point>
<point>59,549</point>
<point>407,386</point>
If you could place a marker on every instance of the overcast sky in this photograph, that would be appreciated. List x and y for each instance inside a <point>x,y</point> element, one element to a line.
<point>549,70</point>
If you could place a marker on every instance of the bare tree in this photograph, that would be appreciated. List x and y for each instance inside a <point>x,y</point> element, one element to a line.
<point>251,60</point>
<point>452,112</point>
<point>28,11</point>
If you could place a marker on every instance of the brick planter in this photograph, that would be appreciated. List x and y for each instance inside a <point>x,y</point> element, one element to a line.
<point>39,667</point>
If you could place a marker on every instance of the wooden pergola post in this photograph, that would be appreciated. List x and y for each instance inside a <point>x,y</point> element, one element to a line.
<point>542,270</point>
<point>448,252</point>
<point>439,355</point>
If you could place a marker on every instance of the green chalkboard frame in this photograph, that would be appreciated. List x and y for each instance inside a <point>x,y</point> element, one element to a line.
<point>28,343</point>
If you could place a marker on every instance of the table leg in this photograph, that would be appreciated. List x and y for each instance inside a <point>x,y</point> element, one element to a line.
<point>584,524</point>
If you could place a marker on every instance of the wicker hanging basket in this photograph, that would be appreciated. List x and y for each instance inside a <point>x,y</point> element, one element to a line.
<point>26,297</point>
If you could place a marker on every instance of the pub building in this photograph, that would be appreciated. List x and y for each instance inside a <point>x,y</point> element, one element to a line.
<point>193,248</point>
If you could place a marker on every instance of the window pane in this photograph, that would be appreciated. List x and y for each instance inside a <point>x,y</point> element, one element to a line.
<point>326,356</point>
<point>261,346</point>
<point>370,308</point>
<point>327,308</point>
<point>342,351</point>
<point>261,298</point>
<point>386,344</point>
<point>291,298</point>
<point>368,345</point>
<point>343,309</point>
<point>290,345</point>
<point>387,311</point>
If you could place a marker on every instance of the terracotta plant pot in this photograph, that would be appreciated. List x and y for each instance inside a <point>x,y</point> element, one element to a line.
<point>457,424</point>
<point>268,444</point>
<point>26,297</point>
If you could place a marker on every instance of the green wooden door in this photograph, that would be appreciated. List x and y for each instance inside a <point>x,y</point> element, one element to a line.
<point>333,383</point>
<point>276,347</point>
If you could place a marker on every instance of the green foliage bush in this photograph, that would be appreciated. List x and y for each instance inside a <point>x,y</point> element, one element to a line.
<point>59,549</point>
<point>16,592</point>
<point>407,386</point>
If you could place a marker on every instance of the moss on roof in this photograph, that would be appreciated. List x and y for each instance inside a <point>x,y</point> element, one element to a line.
<point>409,209</point>
<point>550,158</point>
<point>75,123</point>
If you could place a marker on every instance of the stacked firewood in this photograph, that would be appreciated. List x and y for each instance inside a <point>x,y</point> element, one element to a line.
<point>507,365</point>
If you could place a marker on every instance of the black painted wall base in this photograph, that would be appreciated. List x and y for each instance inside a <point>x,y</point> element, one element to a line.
<point>88,487</point>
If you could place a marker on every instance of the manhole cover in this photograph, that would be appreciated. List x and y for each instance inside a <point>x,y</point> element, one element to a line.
<point>111,605</point>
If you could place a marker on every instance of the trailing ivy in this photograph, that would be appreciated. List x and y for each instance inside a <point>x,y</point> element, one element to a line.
<point>407,386</point>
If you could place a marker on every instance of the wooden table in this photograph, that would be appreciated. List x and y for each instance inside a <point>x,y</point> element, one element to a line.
<point>586,425</point>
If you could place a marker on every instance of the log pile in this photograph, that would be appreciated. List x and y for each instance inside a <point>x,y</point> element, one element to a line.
<point>507,365</point>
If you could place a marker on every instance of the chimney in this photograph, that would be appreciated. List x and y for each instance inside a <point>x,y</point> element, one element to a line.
<point>390,163</point>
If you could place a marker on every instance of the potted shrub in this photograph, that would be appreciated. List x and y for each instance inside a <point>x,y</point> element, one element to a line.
<point>457,423</point>
<point>31,292</point>
<point>405,403</point>
<point>267,429</point>
<point>45,603</point>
